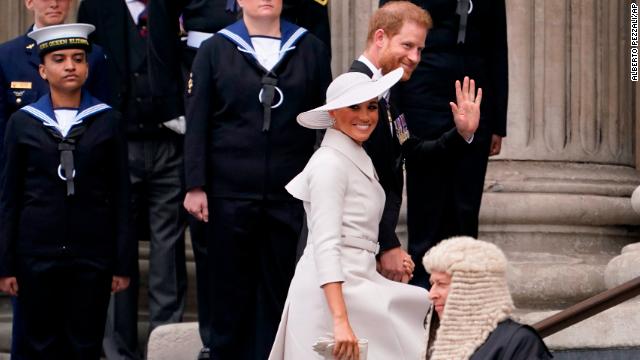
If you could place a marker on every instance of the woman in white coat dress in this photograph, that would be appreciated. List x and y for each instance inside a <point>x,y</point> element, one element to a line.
<point>336,292</point>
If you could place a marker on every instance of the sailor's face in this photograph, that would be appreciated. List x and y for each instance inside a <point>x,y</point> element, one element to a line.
<point>403,49</point>
<point>48,12</point>
<point>261,8</point>
<point>65,70</point>
<point>357,121</point>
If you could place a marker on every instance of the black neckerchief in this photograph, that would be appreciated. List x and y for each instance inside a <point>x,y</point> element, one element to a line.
<point>66,146</point>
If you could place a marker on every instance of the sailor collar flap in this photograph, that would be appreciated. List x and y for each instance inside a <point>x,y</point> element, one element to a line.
<point>42,110</point>
<point>340,142</point>
<point>238,34</point>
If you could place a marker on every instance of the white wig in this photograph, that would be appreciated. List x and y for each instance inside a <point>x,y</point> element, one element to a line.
<point>478,296</point>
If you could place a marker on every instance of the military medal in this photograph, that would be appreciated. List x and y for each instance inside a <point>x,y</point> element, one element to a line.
<point>402,131</point>
<point>21,85</point>
<point>190,84</point>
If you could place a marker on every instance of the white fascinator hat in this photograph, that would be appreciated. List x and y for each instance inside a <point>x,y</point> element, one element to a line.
<point>348,89</point>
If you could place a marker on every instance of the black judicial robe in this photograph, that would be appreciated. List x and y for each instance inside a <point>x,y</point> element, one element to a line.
<point>513,341</point>
<point>37,218</point>
<point>226,147</point>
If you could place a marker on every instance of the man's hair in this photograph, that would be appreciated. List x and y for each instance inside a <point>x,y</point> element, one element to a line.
<point>394,14</point>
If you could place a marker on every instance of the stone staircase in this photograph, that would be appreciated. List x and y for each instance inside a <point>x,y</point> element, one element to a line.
<point>568,231</point>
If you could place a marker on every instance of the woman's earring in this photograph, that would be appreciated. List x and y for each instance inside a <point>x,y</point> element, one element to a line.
<point>333,122</point>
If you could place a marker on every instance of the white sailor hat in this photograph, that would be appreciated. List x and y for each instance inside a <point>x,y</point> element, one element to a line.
<point>66,36</point>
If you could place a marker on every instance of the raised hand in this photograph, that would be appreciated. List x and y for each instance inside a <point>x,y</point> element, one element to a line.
<point>466,109</point>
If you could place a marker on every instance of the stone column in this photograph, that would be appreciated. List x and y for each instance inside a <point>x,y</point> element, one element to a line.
<point>349,22</point>
<point>557,198</point>
<point>14,19</point>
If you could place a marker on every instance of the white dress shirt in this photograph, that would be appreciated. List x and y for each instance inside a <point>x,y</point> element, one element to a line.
<point>136,8</point>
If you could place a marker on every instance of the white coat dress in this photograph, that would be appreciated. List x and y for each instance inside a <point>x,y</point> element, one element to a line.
<point>344,203</point>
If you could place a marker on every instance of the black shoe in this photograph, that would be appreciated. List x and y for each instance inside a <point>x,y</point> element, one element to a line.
<point>204,353</point>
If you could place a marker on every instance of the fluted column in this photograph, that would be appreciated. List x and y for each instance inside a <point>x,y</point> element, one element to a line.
<point>570,97</point>
<point>557,198</point>
<point>14,19</point>
<point>349,22</point>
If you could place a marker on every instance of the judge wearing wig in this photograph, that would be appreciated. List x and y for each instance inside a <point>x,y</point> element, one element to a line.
<point>473,305</point>
<point>64,199</point>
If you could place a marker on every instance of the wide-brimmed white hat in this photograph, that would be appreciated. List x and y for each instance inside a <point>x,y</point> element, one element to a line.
<point>348,89</point>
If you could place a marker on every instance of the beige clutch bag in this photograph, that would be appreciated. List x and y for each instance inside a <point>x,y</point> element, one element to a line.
<point>324,347</point>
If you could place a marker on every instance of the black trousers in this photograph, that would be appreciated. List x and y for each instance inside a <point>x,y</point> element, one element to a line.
<point>443,199</point>
<point>155,168</point>
<point>17,336</point>
<point>197,230</point>
<point>63,303</point>
<point>252,255</point>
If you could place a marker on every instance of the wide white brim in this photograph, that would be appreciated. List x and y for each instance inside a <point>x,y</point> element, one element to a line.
<point>319,117</point>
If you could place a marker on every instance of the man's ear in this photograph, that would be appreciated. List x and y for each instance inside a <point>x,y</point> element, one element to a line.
<point>28,4</point>
<point>379,38</point>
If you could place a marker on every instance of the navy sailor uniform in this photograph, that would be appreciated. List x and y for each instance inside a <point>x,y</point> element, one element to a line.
<point>21,84</point>
<point>242,153</point>
<point>65,248</point>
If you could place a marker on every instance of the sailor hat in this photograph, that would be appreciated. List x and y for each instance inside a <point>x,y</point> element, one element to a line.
<point>65,36</point>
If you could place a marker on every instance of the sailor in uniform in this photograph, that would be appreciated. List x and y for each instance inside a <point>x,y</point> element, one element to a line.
<point>241,147</point>
<point>64,206</point>
<point>20,84</point>
<point>169,54</point>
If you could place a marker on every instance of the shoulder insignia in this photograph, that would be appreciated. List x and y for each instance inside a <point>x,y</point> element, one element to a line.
<point>322,2</point>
